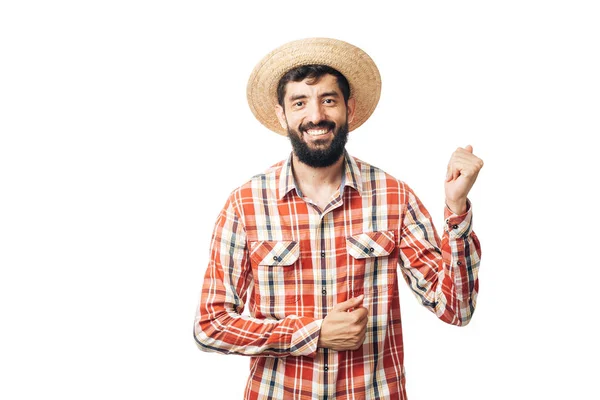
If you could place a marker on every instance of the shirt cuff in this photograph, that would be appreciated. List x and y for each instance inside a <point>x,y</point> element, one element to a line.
<point>458,226</point>
<point>306,337</point>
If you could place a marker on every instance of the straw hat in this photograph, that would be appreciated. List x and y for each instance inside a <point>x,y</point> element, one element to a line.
<point>356,65</point>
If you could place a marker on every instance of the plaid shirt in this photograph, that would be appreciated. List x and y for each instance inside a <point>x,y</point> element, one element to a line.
<point>275,254</point>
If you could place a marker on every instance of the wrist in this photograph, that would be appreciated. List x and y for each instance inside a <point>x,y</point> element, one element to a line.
<point>457,207</point>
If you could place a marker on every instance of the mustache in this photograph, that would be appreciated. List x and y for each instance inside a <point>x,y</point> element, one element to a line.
<point>320,125</point>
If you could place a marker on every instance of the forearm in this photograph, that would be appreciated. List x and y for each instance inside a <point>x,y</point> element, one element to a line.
<point>461,253</point>
<point>219,325</point>
<point>219,328</point>
<point>441,273</point>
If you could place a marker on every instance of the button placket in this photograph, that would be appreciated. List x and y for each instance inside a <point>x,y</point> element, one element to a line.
<point>323,291</point>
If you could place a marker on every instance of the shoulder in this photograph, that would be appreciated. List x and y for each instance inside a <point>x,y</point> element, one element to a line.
<point>269,177</point>
<point>376,179</point>
<point>265,182</point>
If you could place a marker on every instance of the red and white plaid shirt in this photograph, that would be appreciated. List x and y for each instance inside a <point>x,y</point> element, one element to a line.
<point>275,254</point>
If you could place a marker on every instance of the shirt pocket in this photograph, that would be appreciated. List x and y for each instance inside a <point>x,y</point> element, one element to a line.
<point>373,266</point>
<point>274,264</point>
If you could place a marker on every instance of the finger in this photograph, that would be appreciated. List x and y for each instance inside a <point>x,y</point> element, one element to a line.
<point>453,170</point>
<point>469,148</point>
<point>361,314</point>
<point>348,304</point>
<point>455,173</point>
<point>362,334</point>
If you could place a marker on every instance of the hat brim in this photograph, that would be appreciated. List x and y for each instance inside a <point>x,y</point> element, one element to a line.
<point>356,65</point>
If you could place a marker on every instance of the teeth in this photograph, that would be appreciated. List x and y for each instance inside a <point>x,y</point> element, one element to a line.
<point>317,132</point>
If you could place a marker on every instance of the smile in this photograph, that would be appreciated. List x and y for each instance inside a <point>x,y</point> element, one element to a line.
<point>316,132</point>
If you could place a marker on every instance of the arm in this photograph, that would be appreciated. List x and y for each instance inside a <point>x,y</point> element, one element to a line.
<point>443,275</point>
<point>219,325</point>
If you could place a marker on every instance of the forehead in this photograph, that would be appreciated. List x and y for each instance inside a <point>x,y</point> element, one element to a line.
<point>312,86</point>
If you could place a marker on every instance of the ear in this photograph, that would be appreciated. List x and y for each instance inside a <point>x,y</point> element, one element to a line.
<point>351,108</point>
<point>281,116</point>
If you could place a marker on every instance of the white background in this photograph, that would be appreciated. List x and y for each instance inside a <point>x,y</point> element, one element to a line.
<point>124,126</point>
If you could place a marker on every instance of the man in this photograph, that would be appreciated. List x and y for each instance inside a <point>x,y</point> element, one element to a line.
<point>311,247</point>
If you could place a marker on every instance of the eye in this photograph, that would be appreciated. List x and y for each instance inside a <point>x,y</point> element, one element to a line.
<point>298,104</point>
<point>328,101</point>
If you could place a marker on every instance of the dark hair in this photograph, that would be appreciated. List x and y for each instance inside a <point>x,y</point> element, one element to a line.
<point>314,72</point>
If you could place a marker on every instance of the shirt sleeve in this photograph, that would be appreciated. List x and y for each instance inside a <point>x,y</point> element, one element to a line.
<point>441,273</point>
<point>219,325</point>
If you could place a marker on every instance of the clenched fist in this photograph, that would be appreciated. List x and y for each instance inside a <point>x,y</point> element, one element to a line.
<point>345,326</point>
<point>463,169</point>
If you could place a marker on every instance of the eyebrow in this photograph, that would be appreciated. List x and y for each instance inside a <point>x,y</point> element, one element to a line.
<point>298,97</point>
<point>303,96</point>
<point>330,94</point>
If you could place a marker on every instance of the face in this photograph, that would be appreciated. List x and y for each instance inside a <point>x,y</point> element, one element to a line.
<point>316,119</point>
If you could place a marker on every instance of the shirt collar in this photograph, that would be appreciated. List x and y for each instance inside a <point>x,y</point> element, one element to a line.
<point>351,177</point>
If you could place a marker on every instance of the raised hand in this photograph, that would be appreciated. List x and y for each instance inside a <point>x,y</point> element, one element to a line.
<point>345,326</point>
<point>463,169</point>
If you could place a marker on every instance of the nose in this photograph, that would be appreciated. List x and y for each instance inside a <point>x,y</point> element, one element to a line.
<point>315,112</point>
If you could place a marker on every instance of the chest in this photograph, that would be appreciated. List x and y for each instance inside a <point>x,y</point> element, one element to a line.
<point>304,261</point>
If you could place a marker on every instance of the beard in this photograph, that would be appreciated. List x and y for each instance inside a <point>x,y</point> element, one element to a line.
<point>320,157</point>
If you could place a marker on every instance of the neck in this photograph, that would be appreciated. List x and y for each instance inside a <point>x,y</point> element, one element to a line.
<point>309,178</point>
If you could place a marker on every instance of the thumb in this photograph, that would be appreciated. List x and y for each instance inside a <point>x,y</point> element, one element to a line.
<point>469,148</point>
<point>348,304</point>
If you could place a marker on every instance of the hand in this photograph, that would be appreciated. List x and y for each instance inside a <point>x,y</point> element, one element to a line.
<point>463,169</point>
<point>343,329</point>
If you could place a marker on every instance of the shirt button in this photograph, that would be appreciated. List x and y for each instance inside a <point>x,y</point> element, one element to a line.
<point>371,250</point>
<point>454,226</point>
<point>322,254</point>
<point>324,291</point>
<point>275,258</point>
<point>326,368</point>
<point>459,263</point>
